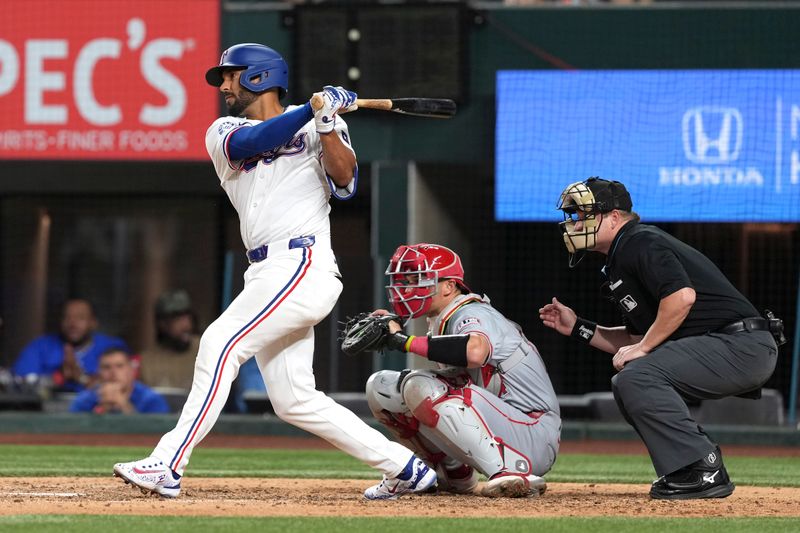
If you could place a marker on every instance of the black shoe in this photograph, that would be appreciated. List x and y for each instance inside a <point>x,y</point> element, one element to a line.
<point>707,478</point>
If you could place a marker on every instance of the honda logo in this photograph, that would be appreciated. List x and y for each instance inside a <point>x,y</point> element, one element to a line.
<point>712,134</point>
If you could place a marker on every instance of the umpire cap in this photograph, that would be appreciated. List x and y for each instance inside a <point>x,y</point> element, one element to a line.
<point>609,195</point>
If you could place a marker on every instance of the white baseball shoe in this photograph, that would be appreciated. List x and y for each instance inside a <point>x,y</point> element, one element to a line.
<point>151,475</point>
<point>416,477</point>
<point>506,485</point>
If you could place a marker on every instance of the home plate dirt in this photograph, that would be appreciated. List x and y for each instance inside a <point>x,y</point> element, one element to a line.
<point>316,497</point>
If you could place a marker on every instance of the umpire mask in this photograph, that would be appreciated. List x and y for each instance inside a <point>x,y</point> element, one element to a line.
<point>582,203</point>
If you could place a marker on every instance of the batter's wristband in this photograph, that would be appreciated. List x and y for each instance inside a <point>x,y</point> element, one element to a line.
<point>584,330</point>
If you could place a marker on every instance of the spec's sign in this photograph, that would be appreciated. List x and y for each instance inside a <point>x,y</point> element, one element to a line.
<point>90,79</point>
<point>700,145</point>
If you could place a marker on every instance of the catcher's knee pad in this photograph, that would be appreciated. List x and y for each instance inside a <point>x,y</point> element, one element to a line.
<point>383,393</point>
<point>420,389</point>
<point>387,405</point>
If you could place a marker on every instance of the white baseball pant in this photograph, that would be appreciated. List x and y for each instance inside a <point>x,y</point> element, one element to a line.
<point>273,319</point>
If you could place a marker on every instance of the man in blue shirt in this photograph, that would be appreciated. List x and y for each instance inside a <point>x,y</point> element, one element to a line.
<point>117,390</point>
<point>69,358</point>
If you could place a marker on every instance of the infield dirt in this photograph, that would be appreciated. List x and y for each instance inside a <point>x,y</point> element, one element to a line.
<point>330,497</point>
<point>315,497</point>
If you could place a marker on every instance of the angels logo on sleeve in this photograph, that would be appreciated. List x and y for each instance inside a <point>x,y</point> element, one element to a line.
<point>461,326</point>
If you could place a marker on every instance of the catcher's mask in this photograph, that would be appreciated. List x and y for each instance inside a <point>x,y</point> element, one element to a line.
<point>581,204</point>
<point>415,271</point>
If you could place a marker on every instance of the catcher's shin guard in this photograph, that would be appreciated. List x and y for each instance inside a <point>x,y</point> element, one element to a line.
<point>449,420</point>
<point>386,404</point>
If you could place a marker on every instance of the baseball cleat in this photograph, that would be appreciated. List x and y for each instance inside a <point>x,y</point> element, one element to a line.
<point>692,485</point>
<point>151,475</point>
<point>505,485</point>
<point>705,478</point>
<point>416,477</point>
<point>461,480</point>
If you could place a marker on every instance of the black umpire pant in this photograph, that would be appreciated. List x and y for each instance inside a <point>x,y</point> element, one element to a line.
<point>652,391</point>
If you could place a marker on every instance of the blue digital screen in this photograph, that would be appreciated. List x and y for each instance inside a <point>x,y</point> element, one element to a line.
<point>699,145</point>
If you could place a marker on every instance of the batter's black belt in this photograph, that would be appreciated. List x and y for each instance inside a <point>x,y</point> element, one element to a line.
<point>262,252</point>
<point>746,324</point>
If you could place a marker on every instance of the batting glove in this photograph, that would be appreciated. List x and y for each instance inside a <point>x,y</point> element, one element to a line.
<point>345,99</point>
<point>334,99</point>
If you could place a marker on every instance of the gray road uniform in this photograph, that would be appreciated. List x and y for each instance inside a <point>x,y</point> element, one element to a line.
<point>502,417</point>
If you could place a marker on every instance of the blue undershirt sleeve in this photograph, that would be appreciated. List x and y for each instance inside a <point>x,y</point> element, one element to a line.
<point>247,142</point>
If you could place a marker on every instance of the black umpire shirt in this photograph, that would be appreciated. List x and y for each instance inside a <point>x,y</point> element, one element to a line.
<point>645,264</point>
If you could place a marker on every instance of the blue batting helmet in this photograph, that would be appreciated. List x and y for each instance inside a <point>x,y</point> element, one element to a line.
<point>264,68</point>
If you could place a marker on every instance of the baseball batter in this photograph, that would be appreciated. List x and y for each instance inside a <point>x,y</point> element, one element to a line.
<point>491,408</point>
<point>279,168</point>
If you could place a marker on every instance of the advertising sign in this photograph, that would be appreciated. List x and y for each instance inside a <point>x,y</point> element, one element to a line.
<point>699,145</point>
<point>88,79</point>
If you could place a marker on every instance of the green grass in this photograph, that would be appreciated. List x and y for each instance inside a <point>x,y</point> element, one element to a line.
<point>166,524</point>
<point>332,464</point>
<point>585,468</point>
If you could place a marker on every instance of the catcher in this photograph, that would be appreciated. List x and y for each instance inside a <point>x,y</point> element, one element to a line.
<point>489,408</point>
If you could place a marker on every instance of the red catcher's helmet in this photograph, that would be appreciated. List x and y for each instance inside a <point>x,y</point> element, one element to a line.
<point>414,273</point>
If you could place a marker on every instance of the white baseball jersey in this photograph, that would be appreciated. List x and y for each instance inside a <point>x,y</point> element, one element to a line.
<point>285,196</point>
<point>281,194</point>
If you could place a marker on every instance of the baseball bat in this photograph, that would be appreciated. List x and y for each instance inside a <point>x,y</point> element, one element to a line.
<point>419,107</point>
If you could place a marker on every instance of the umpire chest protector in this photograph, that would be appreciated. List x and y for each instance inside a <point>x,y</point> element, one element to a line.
<point>645,265</point>
<point>624,288</point>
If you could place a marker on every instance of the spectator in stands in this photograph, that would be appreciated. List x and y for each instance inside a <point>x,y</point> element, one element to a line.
<point>67,361</point>
<point>169,362</point>
<point>117,390</point>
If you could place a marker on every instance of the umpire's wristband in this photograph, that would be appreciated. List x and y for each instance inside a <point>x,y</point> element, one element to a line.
<point>584,330</point>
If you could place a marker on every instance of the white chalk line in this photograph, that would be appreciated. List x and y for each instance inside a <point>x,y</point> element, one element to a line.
<point>45,494</point>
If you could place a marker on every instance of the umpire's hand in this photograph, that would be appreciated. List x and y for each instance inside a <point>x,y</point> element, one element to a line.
<point>626,354</point>
<point>558,316</point>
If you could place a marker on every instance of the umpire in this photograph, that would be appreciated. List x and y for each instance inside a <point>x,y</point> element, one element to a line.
<point>688,334</point>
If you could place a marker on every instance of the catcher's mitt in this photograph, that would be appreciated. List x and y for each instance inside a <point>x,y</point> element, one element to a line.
<point>366,332</point>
